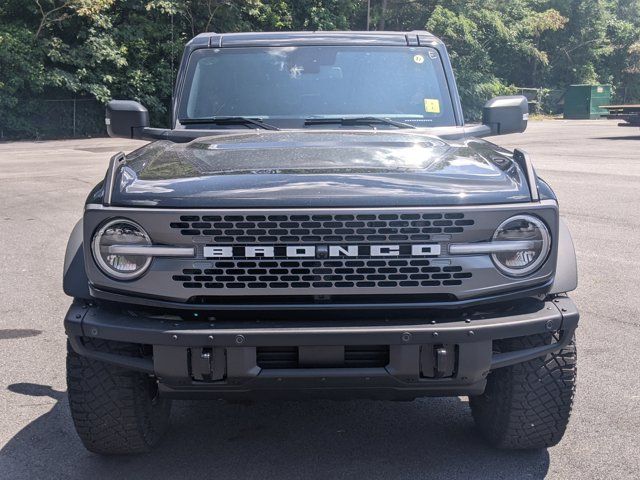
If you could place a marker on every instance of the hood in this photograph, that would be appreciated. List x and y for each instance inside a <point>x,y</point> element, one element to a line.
<point>318,169</point>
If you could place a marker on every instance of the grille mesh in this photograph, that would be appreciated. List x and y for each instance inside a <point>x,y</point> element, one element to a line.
<point>277,357</point>
<point>270,229</point>
<point>355,356</point>
<point>332,273</point>
<point>366,356</point>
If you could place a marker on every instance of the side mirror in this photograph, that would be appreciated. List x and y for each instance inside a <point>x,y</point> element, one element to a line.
<point>126,119</point>
<point>506,114</point>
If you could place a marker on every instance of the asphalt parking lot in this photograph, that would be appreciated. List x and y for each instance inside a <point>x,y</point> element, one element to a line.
<point>594,167</point>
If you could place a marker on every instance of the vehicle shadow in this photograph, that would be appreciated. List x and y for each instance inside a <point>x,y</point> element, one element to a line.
<point>14,333</point>
<point>427,438</point>
<point>627,137</point>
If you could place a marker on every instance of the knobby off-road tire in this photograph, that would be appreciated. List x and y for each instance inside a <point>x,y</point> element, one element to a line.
<point>114,410</point>
<point>527,405</point>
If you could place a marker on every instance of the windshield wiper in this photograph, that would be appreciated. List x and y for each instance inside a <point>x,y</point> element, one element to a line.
<point>228,121</point>
<point>351,121</point>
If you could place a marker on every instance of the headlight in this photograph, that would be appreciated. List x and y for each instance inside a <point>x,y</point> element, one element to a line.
<point>109,243</point>
<point>536,243</point>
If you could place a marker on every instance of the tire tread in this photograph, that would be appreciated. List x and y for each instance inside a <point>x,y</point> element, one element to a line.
<point>528,405</point>
<point>114,410</point>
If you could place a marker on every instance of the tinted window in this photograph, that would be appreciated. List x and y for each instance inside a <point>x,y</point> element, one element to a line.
<point>403,83</point>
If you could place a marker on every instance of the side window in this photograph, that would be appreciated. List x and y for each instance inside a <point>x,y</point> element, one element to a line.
<point>194,97</point>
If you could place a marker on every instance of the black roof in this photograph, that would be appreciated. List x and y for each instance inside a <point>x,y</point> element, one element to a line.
<point>315,38</point>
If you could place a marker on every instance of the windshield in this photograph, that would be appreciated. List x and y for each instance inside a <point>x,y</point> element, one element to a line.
<point>288,85</point>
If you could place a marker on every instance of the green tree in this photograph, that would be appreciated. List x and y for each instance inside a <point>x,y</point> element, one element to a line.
<point>494,45</point>
<point>103,49</point>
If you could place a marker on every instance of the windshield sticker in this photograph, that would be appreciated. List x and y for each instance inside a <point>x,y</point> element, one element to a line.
<point>418,58</point>
<point>432,105</point>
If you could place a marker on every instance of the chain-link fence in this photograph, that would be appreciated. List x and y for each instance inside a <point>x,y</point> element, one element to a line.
<point>39,119</point>
<point>36,118</point>
<point>77,117</point>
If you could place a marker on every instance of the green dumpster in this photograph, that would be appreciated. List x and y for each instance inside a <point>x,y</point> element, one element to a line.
<point>584,101</point>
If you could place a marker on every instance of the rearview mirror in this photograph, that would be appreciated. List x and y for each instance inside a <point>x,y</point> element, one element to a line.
<point>506,114</point>
<point>126,119</point>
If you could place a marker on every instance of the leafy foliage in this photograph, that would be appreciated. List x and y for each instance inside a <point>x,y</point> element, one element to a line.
<point>103,49</point>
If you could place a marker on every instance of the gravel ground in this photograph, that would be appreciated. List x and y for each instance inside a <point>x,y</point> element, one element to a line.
<point>594,166</point>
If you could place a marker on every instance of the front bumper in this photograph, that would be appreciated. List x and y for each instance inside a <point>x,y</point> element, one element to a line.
<point>432,353</point>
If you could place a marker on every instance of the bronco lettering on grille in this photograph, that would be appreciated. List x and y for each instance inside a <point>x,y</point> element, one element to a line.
<point>312,251</point>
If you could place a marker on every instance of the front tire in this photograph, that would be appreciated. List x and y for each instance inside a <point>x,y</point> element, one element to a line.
<point>528,405</point>
<point>114,410</point>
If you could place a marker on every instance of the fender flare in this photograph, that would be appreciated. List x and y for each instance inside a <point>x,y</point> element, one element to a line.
<point>566,278</point>
<point>74,280</point>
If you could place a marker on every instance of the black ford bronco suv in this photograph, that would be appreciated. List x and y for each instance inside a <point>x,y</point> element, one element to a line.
<point>319,221</point>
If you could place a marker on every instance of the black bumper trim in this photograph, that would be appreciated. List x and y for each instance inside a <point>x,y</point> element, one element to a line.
<point>131,363</point>
<point>120,298</point>
<point>500,360</point>
<point>555,315</point>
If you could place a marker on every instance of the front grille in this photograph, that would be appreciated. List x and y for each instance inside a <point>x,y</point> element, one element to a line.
<point>273,229</point>
<point>322,273</point>
<point>355,356</point>
<point>397,254</point>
